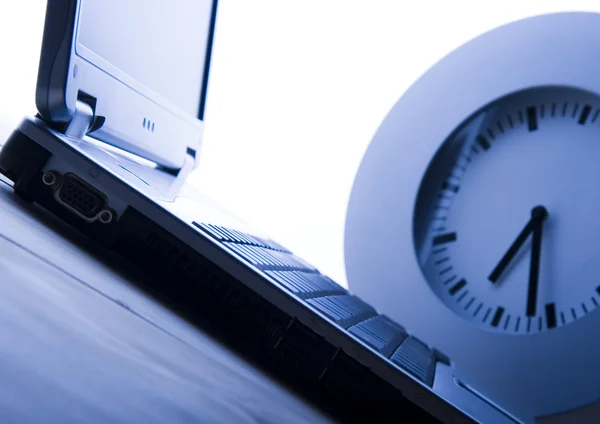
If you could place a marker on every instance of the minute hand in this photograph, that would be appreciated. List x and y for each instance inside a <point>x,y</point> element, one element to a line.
<point>534,269</point>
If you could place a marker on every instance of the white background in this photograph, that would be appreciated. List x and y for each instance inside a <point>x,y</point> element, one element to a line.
<point>297,90</point>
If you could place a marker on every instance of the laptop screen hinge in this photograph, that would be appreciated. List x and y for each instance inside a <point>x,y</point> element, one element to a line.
<point>82,120</point>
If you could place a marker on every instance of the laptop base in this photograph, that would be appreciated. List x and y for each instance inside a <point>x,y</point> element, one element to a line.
<point>313,336</point>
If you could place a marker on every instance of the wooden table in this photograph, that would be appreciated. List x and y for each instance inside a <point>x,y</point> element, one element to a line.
<point>80,343</point>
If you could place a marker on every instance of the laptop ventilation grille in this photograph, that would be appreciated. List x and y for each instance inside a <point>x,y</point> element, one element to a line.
<point>277,342</point>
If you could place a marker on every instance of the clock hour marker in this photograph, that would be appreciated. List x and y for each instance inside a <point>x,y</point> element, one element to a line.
<point>469,303</point>
<point>507,321</point>
<point>444,238</point>
<point>585,113</point>
<point>598,289</point>
<point>487,314</point>
<point>450,186</point>
<point>483,142</point>
<point>455,288</point>
<point>497,316</point>
<point>551,315</point>
<point>449,280</point>
<point>446,270</point>
<point>532,123</point>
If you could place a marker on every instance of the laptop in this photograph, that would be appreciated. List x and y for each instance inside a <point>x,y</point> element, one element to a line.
<point>121,95</point>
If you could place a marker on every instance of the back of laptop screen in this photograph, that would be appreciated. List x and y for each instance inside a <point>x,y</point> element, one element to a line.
<point>160,44</point>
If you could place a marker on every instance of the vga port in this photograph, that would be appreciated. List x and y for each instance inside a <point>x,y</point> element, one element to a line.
<point>80,196</point>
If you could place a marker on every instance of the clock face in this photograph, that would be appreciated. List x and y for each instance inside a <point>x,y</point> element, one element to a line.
<point>507,218</point>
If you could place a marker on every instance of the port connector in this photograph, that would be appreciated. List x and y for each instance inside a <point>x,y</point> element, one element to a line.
<point>79,197</point>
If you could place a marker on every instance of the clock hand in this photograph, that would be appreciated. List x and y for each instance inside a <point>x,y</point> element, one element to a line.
<point>512,251</point>
<point>538,214</point>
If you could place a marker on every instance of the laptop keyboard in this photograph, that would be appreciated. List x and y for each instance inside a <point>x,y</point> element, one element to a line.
<point>304,281</point>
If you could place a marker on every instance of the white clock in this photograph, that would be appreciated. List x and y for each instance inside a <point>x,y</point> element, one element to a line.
<point>474,218</point>
<point>506,227</point>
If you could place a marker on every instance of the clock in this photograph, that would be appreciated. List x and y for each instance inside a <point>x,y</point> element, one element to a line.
<point>505,225</point>
<point>474,218</point>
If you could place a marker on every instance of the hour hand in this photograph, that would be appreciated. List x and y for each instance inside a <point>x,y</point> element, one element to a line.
<point>511,252</point>
<point>538,214</point>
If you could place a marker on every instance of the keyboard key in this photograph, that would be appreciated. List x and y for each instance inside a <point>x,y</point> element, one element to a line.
<point>305,285</point>
<point>247,238</point>
<point>229,235</point>
<point>240,250</point>
<point>291,261</point>
<point>296,286</point>
<point>344,310</point>
<point>274,257</point>
<point>324,283</point>
<point>381,333</point>
<point>263,254</point>
<point>275,246</point>
<point>257,252</point>
<point>233,235</point>
<point>416,358</point>
<point>304,264</point>
<point>210,231</point>
<point>282,258</point>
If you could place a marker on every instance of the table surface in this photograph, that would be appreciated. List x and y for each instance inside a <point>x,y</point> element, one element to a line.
<point>81,343</point>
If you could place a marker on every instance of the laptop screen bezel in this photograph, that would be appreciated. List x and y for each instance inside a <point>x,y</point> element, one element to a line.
<point>207,61</point>
<point>122,104</point>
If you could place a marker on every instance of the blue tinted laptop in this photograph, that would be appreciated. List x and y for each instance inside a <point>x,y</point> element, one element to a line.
<point>121,96</point>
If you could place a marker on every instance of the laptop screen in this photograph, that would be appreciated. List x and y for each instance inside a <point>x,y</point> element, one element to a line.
<point>161,44</point>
